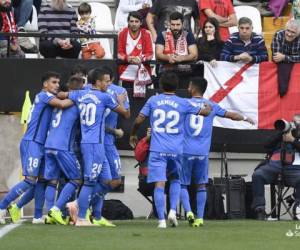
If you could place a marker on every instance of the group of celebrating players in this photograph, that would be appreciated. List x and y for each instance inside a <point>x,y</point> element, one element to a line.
<point>70,141</point>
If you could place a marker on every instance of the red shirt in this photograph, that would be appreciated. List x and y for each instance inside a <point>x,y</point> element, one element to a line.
<point>222,8</point>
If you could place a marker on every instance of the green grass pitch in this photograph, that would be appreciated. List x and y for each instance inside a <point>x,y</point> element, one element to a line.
<point>143,234</point>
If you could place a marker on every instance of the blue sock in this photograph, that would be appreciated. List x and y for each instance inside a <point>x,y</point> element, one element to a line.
<point>201,200</point>
<point>159,200</point>
<point>39,198</point>
<point>84,199</point>
<point>26,198</point>
<point>66,194</point>
<point>97,206</point>
<point>15,192</point>
<point>50,195</point>
<point>174,193</point>
<point>185,198</point>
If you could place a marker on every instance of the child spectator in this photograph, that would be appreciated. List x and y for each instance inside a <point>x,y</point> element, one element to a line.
<point>86,25</point>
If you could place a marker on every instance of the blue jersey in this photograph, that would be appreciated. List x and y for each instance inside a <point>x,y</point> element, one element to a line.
<point>39,118</point>
<point>167,114</point>
<point>198,129</point>
<point>112,119</point>
<point>92,104</point>
<point>63,129</point>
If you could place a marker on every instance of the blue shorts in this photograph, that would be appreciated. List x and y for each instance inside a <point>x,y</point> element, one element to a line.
<point>93,156</point>
<point>162,166</point>
<point>58,161</point>
<point>195,167</point>
<point>105,174</point>
<point>114,161</point>
<point>32,158</point>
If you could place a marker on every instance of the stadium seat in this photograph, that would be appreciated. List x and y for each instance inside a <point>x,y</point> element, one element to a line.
<point>250,12</point>
<point>103,17</point>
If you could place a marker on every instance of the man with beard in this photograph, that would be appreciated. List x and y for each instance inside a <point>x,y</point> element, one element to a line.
<point>7,24</point>
<point>175,46</point>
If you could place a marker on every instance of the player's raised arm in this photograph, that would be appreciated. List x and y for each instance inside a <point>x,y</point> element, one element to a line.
<point>61,104</point>
<point>238,117</point>
<point>133,140</point>
<point>205,110</point>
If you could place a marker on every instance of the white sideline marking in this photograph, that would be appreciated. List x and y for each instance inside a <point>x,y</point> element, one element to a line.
<point>6,229</point>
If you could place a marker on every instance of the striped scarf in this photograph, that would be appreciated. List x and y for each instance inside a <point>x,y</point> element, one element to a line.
<point>8,23</point>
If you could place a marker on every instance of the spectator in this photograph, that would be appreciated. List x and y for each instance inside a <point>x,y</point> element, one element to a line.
<point>58,18</point>
<point>210,44</point>
<point>8,25</point>
<point>222,10</point>
<point>286,43</point>
<point>126,6</point>
<point>134,50</point>
<point>245,46</point>
<point>285,52</point>
<point>162,9</point>
<point>176,46</point>
<point>87,25</point>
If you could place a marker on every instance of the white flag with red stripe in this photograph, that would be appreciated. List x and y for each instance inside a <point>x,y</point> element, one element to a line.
<point>252,90</point>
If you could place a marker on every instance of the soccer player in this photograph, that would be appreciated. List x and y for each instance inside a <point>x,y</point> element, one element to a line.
<point>92,104</point>
<point>196,146</point>
<point>60,155</point>
<point>111,152</point>
<point>167,114</point>
<point>32,145</point>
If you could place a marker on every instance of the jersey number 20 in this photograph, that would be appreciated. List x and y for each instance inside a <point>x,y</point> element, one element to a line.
<point>87,113</point>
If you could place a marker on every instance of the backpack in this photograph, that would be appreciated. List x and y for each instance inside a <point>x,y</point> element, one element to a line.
<point>116,210</point>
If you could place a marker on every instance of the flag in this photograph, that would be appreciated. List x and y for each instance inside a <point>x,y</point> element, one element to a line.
<point>252,90</point>
<point>26,108</point>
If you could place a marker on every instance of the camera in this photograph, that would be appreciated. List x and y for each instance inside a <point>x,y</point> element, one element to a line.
<point>285,127</point>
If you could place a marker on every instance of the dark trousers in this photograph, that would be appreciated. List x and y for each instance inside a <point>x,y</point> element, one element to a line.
<point>50,50</point>
<point>268,174</point>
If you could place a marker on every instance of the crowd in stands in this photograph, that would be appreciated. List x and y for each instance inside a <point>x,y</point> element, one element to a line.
<point>183,32</point>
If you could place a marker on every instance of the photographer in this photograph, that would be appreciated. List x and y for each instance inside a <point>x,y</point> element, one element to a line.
<point>283,162</point>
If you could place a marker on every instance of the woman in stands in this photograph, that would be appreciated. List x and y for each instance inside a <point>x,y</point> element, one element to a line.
<point>210,44</point>
<point>58,18</point>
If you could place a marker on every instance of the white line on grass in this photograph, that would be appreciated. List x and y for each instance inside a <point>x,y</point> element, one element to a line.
<point>6,229</point>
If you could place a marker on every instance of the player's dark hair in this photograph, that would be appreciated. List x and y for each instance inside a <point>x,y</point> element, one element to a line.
<point>50,74</point>
<point>169,81</point>
<point>109,70</point>
<point>176,16</point>
<point>75,82</point>
<point>84,8</point>
<point>98,74</point>
<point>79,69</point>
<point>199,83</point>
<point>136,15</point>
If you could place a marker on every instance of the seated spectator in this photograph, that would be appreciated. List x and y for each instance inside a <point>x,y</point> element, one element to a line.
<point>87,25</point>
<point>134,50</point>
<point>210,44</point>
<point>222,10</point>
<point>126,6</point>
<point>58,18</point>
<point>282,149</point>
<point>8,25</point>
<point>176,46</point>
<point>286,43</point>
<point>285,52</point>
<point>245,45</point>
<point>159,15</point>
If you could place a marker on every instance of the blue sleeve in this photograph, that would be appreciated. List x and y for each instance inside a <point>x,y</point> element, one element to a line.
<point>73,96</point>
<point>219,111</point>
<point>110,102</point>
<point>160,39</point>
<point>190,39</point>
<point>227,52</point>
<point>46,97</point>
<point>191,108</point>
<point>147,108</point>
<point>126,103</point>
